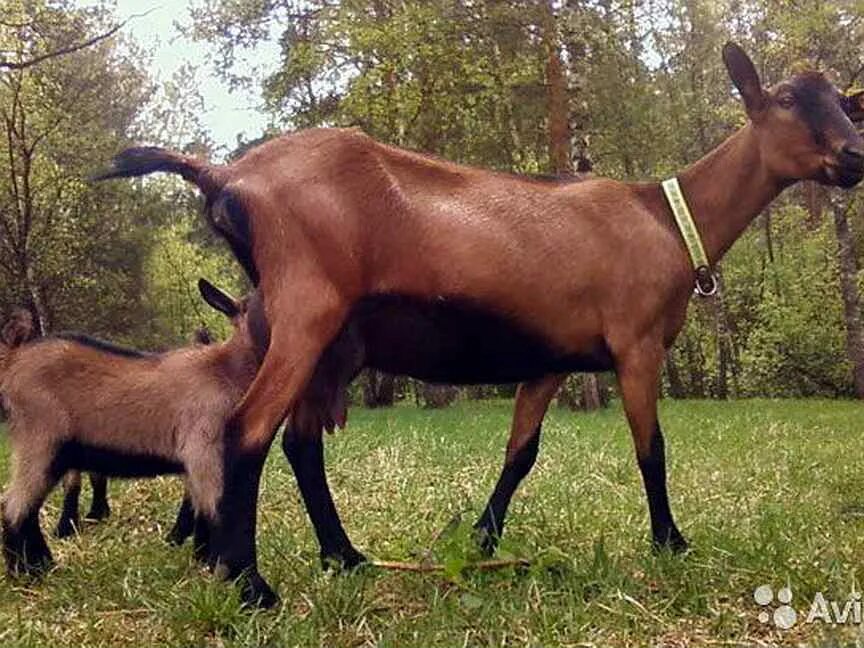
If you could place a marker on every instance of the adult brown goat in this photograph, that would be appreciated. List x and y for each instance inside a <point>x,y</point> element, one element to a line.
<point>588,276</point>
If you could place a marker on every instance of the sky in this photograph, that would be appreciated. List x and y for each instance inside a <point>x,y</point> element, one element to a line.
<point>228,114</point>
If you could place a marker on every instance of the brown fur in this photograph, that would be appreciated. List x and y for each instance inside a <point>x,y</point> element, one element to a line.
<point>335,216</point>
<point>72,479</point>
<point>171,406</point>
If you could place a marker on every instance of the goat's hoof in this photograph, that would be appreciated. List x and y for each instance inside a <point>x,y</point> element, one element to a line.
<point>66,528</point>
<point>98,513</point>
<point>204,556</point>
<point>672,541</point>
<point>486,540</point>
<point>345,559</point>
<point>255,592</point>
<point>176,537</point>
<point>33,566</point>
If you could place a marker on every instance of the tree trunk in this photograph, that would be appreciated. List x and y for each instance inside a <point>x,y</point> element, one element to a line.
<point>436,396</point>
<point>591,399</point>
<point>695,366</point>
<point>676,387</point>
<point>557,100</point>
<point>725,356</point>
<point>38,305</point>
<point>568,395</point>
<point>379,389</point>
<point>848,265</point>
<point>814,199</point>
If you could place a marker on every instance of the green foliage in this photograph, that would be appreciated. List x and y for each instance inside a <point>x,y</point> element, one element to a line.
<point>173,268</point>
<point>796,345</point>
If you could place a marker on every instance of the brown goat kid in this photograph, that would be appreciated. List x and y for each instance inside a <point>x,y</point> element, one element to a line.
<point>79,404</point>
<point>68,524</point>
<point>587,276</point>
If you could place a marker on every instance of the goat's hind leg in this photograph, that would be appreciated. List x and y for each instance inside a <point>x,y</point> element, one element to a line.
<point>69,523</point>
<point>304,450</point>
<point>24,546</point>
<point>184,525</point>
<point>99,508</point>
<point>532,401</point>
<point>297,340</point>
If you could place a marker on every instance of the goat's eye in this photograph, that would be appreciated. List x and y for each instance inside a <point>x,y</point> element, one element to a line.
<point>786,101</point>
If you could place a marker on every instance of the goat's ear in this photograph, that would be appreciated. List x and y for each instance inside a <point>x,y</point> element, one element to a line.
<point>746,79</point>
<point>853,105</point>
<point>221,301</point>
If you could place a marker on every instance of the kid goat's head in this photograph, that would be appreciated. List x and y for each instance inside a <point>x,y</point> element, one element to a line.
<point>803,124</point>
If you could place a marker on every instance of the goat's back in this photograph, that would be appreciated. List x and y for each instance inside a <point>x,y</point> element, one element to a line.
<point>96,394</point>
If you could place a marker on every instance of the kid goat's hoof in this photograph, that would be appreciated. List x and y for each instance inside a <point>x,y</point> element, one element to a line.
<point>177,537</point>
<point>98,513</point>
<point>255,592</point>
<point>66,528</point>
<point>30,566</point>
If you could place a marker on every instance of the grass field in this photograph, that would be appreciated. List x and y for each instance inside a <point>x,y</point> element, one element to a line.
<point>768,492</point>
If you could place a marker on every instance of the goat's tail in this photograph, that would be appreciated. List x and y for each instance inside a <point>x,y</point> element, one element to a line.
<point>15,332</point>
<point>143,160</point>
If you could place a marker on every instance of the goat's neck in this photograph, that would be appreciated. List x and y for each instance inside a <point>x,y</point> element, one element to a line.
<point>237,361</point>
<point>727,189</point>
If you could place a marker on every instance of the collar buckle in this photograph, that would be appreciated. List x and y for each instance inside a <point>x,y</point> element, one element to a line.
<point>706,282</point>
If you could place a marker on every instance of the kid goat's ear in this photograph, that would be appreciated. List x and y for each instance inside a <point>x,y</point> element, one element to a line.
<point>746,79</point>
<point>218,299</point>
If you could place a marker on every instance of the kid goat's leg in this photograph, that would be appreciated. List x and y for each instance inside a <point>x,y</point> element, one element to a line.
<point>184,525</point>
<point>24,546</point>
<point>304,318</point>
<point>99,509</point>
<point>639,376</point>
<point>532,401</point>
<point>68,523</point>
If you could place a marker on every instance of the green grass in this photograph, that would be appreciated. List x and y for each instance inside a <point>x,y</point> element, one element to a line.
<point>766,491</point>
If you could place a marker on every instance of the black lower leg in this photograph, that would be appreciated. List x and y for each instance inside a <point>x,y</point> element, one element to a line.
<point>201,539</point>
<point>184,524</point>
<point>232,540</point>
<point>99,508</point>
<point>490,526</point>
<point>306,457</point>
<point>653,468</point>
<point>24,548</point>
<point>68,523</point>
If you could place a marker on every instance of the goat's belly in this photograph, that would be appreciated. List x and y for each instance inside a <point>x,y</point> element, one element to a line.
<point>450,341</point>
<point>112,462</point>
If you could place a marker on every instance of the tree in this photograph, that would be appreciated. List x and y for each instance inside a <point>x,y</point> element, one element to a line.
<point>64,248</point>
<point>37,33</point>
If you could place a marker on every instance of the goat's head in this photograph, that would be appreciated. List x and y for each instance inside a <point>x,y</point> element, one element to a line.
<point>803,124</point>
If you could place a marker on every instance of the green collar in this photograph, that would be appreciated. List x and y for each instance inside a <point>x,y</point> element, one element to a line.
<point>706,283</point>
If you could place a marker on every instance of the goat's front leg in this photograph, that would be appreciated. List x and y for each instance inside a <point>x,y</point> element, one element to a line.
<point>69,523</point>
<point>532,402</point>
<point>638,376</point>
<point>301,328</point>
